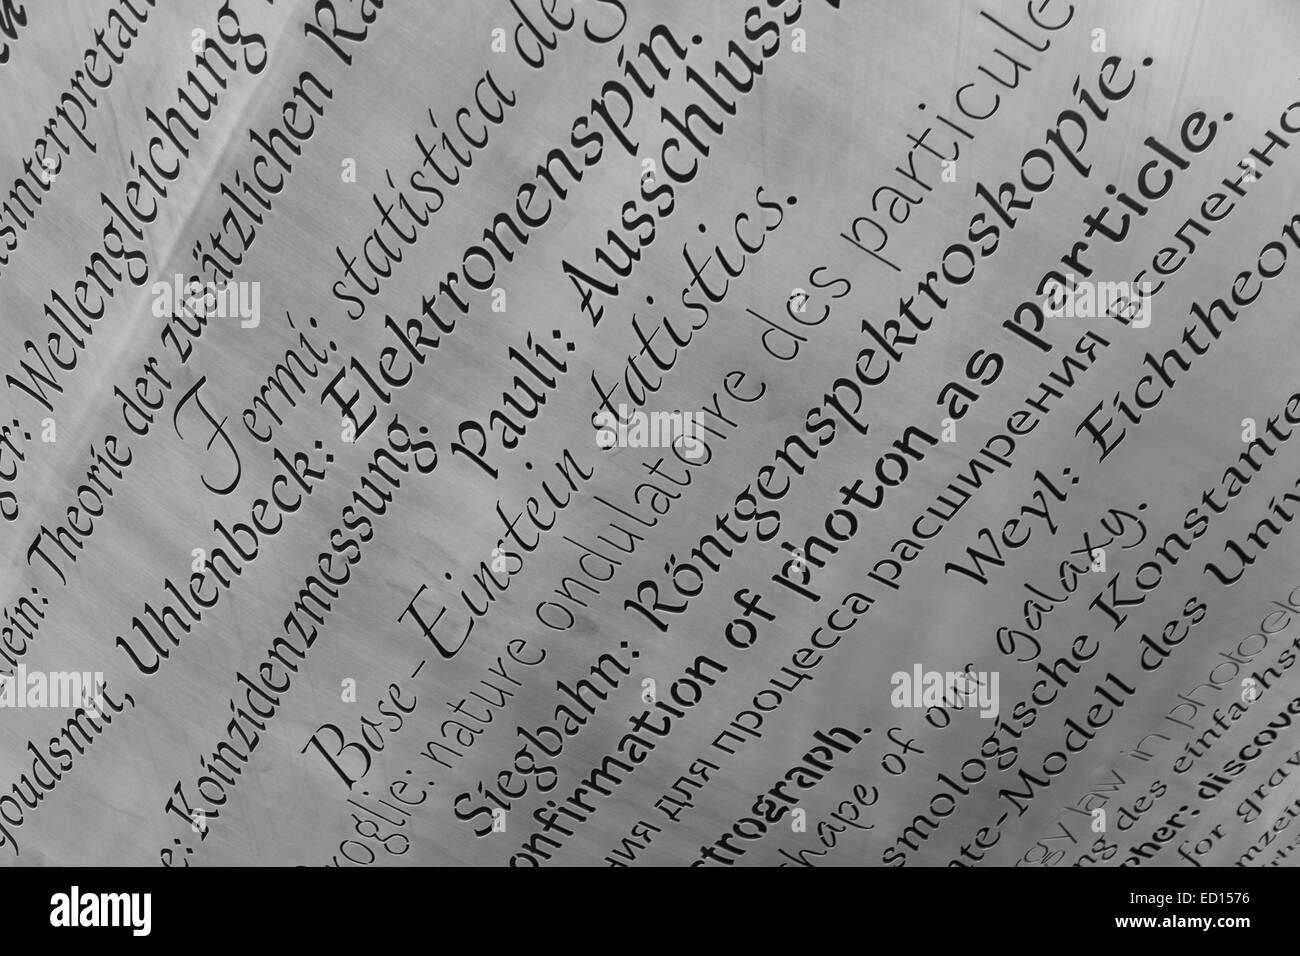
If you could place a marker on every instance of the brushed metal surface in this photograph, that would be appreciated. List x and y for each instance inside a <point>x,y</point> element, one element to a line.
<point>855,113</point>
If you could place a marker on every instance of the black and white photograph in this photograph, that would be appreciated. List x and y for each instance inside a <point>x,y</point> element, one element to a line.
<point>721,434</point>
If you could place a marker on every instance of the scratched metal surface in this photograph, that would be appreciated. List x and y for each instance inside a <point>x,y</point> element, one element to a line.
<point>824,125</point>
